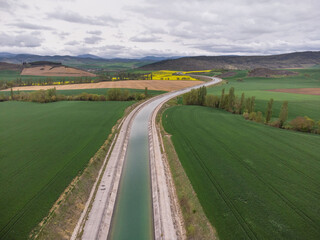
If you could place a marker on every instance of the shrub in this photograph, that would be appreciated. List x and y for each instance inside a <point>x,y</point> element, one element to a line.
<point>245,115</point>
<point>275,124</point>
<point>139,96</point>
<point>116,94</point>
<point>113,94</point>
<point>4,98</point>
<point>191,98</point>
<point>253,116</point>
<point>259,117</point>
<point>212,101</point>
<point>102,98</point>
<point>302,124</point>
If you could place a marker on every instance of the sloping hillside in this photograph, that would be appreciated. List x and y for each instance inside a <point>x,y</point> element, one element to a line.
<point>9,66</point>
<point>290,60</point>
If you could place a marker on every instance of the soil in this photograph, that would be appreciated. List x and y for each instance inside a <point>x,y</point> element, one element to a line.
<point>308,91</point>
<point>62,71</point>
<point>134,84</point>
<point>265,72</point>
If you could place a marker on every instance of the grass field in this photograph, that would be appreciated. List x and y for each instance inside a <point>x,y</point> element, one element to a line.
<point>299,104</point>
<point>9,75</point>
<point>43,147</point>
<point>253,181</point>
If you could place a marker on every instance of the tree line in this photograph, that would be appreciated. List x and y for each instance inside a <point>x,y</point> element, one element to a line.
<point>246,107</point>
<point>50,95</point>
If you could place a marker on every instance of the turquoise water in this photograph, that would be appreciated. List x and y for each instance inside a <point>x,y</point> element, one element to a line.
<point>132,218</point>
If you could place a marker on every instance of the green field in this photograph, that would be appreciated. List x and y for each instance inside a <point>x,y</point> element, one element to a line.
<point>43,147</point>
<point>299,104</point>
<point>253,181</point>
<point>10,75</point>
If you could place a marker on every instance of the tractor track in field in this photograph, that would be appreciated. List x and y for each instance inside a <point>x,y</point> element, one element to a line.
<point>13,221</point>
<point>242,223</point>
<point>270,186</point>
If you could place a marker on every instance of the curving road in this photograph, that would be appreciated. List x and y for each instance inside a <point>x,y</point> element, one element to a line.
<point>131,198</point>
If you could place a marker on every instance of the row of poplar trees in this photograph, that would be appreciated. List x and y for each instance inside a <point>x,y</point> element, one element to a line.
<point>230,102</point>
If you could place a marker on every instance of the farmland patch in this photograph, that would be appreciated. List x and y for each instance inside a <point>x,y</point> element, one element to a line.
<point>251,184</point>
<point>43,147</point>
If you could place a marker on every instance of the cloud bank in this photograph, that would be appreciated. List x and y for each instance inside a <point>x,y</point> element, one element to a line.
<point>161,28</point>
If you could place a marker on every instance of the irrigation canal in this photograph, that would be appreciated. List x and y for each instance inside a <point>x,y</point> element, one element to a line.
<point>132,218</point>
<point>132,215</point>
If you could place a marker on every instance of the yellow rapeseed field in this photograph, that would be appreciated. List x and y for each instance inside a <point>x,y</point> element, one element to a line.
<point>169,75</point>
<point>202,71</point>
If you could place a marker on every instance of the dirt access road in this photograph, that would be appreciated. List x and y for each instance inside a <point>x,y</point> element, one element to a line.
<point>96,219</point>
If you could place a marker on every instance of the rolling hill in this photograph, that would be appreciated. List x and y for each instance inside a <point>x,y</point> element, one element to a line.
<point>290,60</point>
<point>85,61</point>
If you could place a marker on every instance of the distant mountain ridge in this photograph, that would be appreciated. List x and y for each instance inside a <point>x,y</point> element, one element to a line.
<point>89,56</point>
<point>289,60</point>
<point>84,61</point>
<point>20,58</point>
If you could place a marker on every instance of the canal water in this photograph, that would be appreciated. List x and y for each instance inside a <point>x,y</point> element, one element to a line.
<point>132,217</point>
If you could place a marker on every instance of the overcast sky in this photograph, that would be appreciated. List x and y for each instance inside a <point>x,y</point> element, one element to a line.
<point>137,28</point>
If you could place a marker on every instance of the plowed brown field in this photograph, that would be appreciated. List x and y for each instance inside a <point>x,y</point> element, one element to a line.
<point>134,84</point>
<point>62,71</point>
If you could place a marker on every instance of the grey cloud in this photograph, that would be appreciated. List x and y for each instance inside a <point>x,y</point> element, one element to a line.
<point>93,40</point>
<point>72,43</point>
<point>10,5</point>
<point>238,22</point>
<point>96,32</point>
<point>31,26</point>
<point>4,5</point>
<point>145,38</point>
<point>113,47</point>
<point>23,40</point>
<point>74,17</point>
<point>254,48</point>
